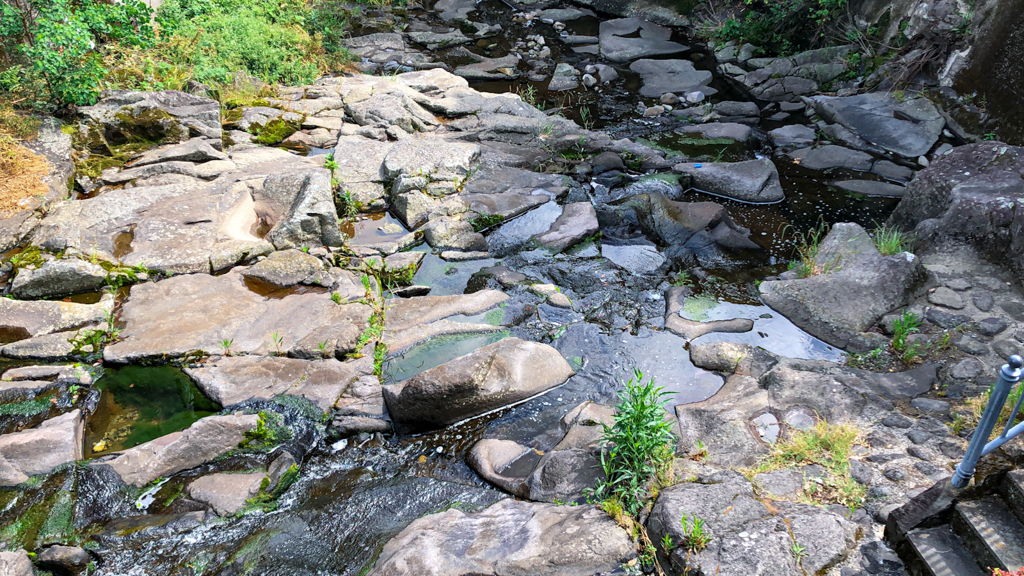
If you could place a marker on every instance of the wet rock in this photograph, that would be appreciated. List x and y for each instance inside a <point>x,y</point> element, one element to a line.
<point>231,380</point>
<point>490,69</point>
<point>23,319</point>
<point>564,78</point>
<point>201,442</point>
<point>892,171</point>
<point>831,156</point>
<point>692,329</point>
<point>755,181</point>
<point>453,235</point>
<point>183,314</point>
<point>435,40</point>
<point>855,287</point>
<point>619,43</point>
<point>226,493</point>
<point>947,298</point>
<point>58,278</point>
<point>565,475</point>
<point>288,268</point>
<point>732,357</point>
<point>16,564</point>
<point>721,130</point>
<point>671,76</point>
<point>489,457</point>
<point>63,559</point>
<point>748,537</point>
<point>347,426</point>
<point>871,188</point>
<point>503,373</point>
<point>635,259</point>
<point>677,223</point>
<point>39,450</point>
<point>908,128</point>
<point>554,540</point>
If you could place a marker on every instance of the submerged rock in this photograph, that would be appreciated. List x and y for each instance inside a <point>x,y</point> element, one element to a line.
<point>618,43</point>
<point>201,442</point>
<point>494,376</point>
<point>671,76</point>
<point>508,539</point>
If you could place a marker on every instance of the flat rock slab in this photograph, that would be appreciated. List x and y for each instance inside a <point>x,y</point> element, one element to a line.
<point>201,442</point>
<point>508,539</point>
<point>287,268</point>
<point>198,312</point>
<point>871,188</point>
<point>754,181</point>
<point>24,319</point>
<point>909,128</point>
<point>39,450</point>
<point>226,493</point>
<point>671,76</point>
<point>194,150</point>
<point>230,380</point>
<point>58,278</point>
<point>619,44</point>
<point>506,372</point>
<point>635,259</point>
<point>831,156</point>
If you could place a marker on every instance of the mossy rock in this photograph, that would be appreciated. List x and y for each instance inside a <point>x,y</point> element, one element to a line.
<point>275,131</point>
<point>146,124</point>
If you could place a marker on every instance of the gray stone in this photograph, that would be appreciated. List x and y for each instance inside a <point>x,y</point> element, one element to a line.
<point>439,159</point>
<point>194,150</point>
<point>553,541</point>
<point>63,559</point>
<point>919,436</point>
<point>58,278</point>
<point>755,181</point>
<point>786,482</point>
<point>635,259</point>
<point>891,171</point>
<point>991,326</point>
<point>720,130</point>
<point>861,472</point>
<point>831,156</point>
<point>489,457</point>
<point>871,188</point>
<point>446,234</point>
<point>435,40</point>
<point>895,473</point>
<point>908,128</point>
<point>577,222</point>
<point>39,450</point>
<point>1006,348</point>
<point>226,493</point>
<point>565,475</point>
<point>168,116</point>
<point>944,319</point>
<point>22,319</point>
<point>16,563</point>
<point>897,420</point>
<point>947,298</point>
<point>930,405</point>
<point>967,368</point>
<point>671,76</point>
<point>494,376</point>
<point>619,45</point>
<point>564,78</point>
<point>201,442</point>
<point>231,380</point>
<point>921,453</point>
<point>288,268</point>
<point>983,300</point>
<point>792,136</point>
<point>606,162</point>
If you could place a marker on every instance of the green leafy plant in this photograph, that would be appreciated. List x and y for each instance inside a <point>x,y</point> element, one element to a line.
<point>278,341</point>
<point>906,324</point>
<point>696,534</point>
<point>682,278</point>
<point>336,297</point>
<point>667,544</point>
<point>226,346</point>
<point>528,93</point>
<point>798,551</point>
<point>484,222</point>
<point>807,247</point>
<point>639,444</point>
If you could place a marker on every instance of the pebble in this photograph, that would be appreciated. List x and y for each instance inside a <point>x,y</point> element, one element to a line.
<point>918,436</point>
<point>654,111</point>
<point>1005,348</point>
<point>944,319</point>
<point>972,345</point>
<point>896,420</point>
<point>958,284</point>
<point>695,97</point>
<point>921,453</point>
<point>861,472</point>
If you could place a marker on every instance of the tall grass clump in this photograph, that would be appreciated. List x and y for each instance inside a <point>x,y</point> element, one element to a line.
<point>890,241</point>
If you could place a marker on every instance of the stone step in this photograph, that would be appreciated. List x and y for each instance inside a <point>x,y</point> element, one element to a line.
<point>938,552</point>
<point>990,530</point>
<point>1013,492</point>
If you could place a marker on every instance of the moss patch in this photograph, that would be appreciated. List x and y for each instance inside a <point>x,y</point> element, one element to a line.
<point>275,132</point>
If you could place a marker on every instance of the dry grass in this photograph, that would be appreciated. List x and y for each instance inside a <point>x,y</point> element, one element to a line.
<point>21,174</point>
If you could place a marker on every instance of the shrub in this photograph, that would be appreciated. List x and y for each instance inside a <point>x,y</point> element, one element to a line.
<point>785,26</point>
<point>640,444</point>
<point>51,45</point>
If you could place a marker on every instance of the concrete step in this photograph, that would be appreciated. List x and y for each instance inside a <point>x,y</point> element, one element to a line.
<point>938,552</point>
<point>1013,492</point>
<point>990,530</point>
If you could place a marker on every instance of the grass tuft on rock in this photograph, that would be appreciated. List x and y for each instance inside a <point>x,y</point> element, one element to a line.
<point>890,241</point>
<point>828,445</point>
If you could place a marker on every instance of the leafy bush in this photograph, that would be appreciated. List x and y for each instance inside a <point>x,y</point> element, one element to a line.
<point>640,445</point>
<point>785,26</point>
<point>50,46</point>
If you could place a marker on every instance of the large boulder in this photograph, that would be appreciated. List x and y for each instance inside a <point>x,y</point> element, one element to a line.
<point>166,116</point>
<point>748,537</point>
<point>851,287</point>
<point>755,181</point>
<point>689,225</point>
<point>506,372</point>
<point>39,450</point>
<point>909,128</point>
<point>969,195</point>
<point>58,278</point>
<point>199,312</point>
<point>201,442</point>
<point>510,538</point>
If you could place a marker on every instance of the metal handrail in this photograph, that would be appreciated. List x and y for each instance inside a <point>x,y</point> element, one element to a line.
<point>1009,375</point>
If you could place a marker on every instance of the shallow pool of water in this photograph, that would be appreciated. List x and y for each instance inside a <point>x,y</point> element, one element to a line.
<point>373,228</point>
<point>138,404</point>
<point>447,278</point>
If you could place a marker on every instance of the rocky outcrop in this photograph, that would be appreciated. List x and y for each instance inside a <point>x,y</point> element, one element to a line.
<point>39,450</point>
<point>167,116</point>
<point>201,442</point>
<point>286,268</point>
<point>507,539</point>
<point>848,290</point>
<point>199,312</point>
<point>494,376</point>
<point>909,128</point>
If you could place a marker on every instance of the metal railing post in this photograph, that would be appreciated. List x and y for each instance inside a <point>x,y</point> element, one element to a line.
<point>1009,375</point>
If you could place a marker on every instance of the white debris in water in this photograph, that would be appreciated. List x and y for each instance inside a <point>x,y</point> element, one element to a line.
<point>339,445</point>
<point>440,450</point>
<point>149,496</point>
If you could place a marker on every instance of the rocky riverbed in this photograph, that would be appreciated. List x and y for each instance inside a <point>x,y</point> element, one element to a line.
<point>374,325</point>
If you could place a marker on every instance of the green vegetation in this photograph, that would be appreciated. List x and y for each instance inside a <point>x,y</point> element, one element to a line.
<point>890,241</point>
<point>640,446</point>
<point>682,278</point>
<point>25,408</point>
<point>828,445</point>
<point>484,222</point>
<point>270,431</point>
<point>696,535</point>
<point>807,248</point>
<point>908,323</point>
<point>783,26</point>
